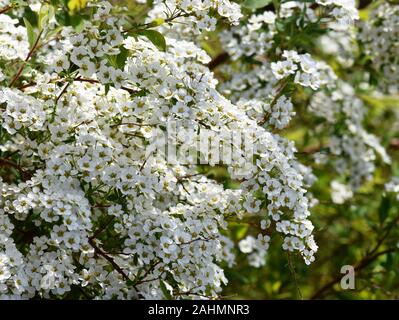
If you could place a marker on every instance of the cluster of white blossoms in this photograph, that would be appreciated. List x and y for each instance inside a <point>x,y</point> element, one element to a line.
<point>393,187</point>
<point>256,249</point>
<point>191,17</point>
<point>84,205</point>
<point>252,38</point>
<point>255,35</point>
<point>13,39</point>
<point>257,91</point>
<point>355,149</point>
<point>352,150</point>
<point>340,44</point>
<point>340,192</point>
<point>344,12</point>
<point>306,71</point>
<point>379,36</point>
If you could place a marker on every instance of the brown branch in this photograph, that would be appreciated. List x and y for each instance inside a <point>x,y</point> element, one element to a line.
<point>80,79</point>
<point>25,174</point>
<point>218,60</point>
<point>132,124</point>
<point>63,91</point>
<point>109,259</point>
<point>195,240</point>
<point>145,161</point>
<point>370,257</point>
<point>364,3</point>
<point>394,144</point>
<point>188,176</point>
<point>5,9</point>
<point>142,279</point>
<point>140,27</point>
<point>28,85</point>
<point>21,68</point>
<point>361,265</point>
<point>276,96</point>
<point>100,230</point>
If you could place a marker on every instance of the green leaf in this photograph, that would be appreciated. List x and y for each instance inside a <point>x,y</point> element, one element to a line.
<point>112,61</point>
<point>129,282</point>
<point>256,4</point>
<point>121,57</point>
<point>45,15</point>
<point>20,3</point>
<point>241,231</point>
<point>165,291</point>
<point>78,23</point>
<point>31,16</point>
<point>63,18</point>
<point>156,23</point>
<point>155,37</point>
<point>107,86</point>
<point>31,32</point>
<point>384,208</point>
<point>53,32</point>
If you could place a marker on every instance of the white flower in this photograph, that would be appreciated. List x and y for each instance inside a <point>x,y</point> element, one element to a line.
<point>87,68</point>
<point>247,245</point>
<point>340,192</point>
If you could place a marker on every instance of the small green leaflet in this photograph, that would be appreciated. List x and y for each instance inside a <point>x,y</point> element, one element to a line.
<point>155,37</point>
<point>46,13</point>
<point>165,291</point>
<point>383,210</point>
<point>31,32</point>
<point>255,4</point>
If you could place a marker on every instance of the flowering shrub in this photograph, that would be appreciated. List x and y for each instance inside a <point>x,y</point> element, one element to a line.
<point>130,151</point>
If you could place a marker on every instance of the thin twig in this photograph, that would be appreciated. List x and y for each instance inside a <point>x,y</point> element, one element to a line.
<point>109,259</point>
<point>293,273</point>
<point>145,161</point>
<point>148,25</point>
<point>132,124</point>
<point>100,230</point>
<point>63,91</point>
<point>21,68</point>
<point>80,79</point>
<point>25,174</point>
<point>218,60</point>
<point>276,96</point>
<point>361,265</point>
<point>5,9</point>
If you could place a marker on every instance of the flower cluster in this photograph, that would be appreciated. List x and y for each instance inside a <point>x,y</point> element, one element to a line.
<point>13,39</point>
<point>379,35</point>
<point>252,38</point>
<point>393,187</point>
<point>344,12</point>
<point>340,192</point>
<point>94,205</point>
<point>256,248</point>
<point>356,149</point>
<point>193,17</point>
<point>103,214</point>
<point>305,70</point>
